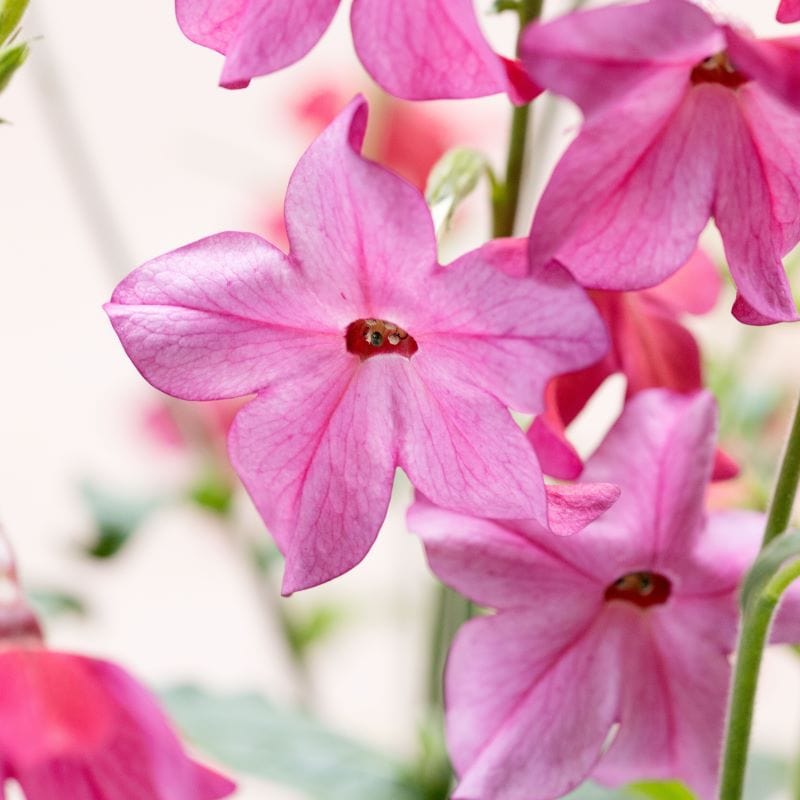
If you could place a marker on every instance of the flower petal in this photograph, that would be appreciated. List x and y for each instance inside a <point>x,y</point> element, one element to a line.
<point>694,288</point>
<point>758,200</point>
<point>496,566</point>
<point>529,703</point>
<point>789,11</point>
<point>461,448</point>
<point>596,57</point>
<point>257,36</point>
<point>427,49</point>
<point>508,335</point>
<point>317,455</point>
<point>83,728</point>
<point>222,317</point>
<point>628,200</point>
<point>357,229</point>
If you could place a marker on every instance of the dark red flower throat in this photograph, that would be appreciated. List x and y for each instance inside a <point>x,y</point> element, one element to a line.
<point>718,69</point>
<point>643,589</point>
<point>373,337</point>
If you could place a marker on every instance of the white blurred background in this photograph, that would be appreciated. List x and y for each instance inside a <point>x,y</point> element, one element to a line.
<point>122,147</point>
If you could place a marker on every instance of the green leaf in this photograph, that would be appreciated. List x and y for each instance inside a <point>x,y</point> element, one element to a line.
<point>116,519</point>
<point>249,734</point>
<point>452,179</point>
<point>769,562</point>
<point>591,791</point>
<point>10,61</point>
<point>55,603</point>
<point>213,493</point>
<point>659,790</point>
<point>316,625</point>
<point>11,12</point>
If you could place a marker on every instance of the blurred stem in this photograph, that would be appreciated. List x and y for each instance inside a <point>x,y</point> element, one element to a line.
<point>505,200</point>
<point>451,611</point>
<point>756,622</point>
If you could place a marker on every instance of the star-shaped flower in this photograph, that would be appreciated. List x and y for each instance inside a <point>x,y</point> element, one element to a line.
<point>685,119</point>
<point>630,622</point>
<point>365,355</point>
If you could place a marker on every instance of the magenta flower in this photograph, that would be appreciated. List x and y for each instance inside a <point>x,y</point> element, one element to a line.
<point>685,119</point>
<point>365,355</point>
<point>417,49</point>
<point>74,728</point>
<point>630,621</point>
<point>789,11</point>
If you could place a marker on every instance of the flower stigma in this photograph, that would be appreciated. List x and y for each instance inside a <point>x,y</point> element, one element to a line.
<point>718,69</point>
<point>372,337</point>
<point>643,589</point>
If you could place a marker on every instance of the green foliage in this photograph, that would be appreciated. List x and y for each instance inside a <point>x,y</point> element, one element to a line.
<point>115,517</point>
<point>452,179</point>
<point>247,733</point>
<point>213,493</point>
<point>311,628</point>
<point>771,560</point>
<point>11,12</point>
<point>11,59</point>
<point>12,56</point>
<point>51,603</point>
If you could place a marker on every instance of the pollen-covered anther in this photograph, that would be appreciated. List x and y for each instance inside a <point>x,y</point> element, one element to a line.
<point>640,588</point>
<point>718,69</point>
<point>371,337</point>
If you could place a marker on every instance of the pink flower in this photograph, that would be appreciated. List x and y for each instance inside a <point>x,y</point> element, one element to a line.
<point>74,728</point>
<point>631,622</point>
<point>684,119</point>
<point>649,346</point>
<point>365,355</point>
<point>417,49</point>
<point>789,11</point>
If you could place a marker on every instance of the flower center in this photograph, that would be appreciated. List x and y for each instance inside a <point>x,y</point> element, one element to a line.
<point>643,589</point>
<point>718,69</point>
<point>373,337</point>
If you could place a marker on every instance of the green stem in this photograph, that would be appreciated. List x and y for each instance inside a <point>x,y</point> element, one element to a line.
<point>756,622</point>
<point>506,197</point>
<point>786,487</point>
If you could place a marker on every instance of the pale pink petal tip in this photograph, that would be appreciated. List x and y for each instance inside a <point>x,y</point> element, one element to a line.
<point>570,508</point>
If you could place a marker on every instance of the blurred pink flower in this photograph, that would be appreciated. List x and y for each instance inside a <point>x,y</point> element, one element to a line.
<point>684,119</point>
<point>365,355</point>
<point>417,49</point>
<point>649,346</point>
<point>630,621</point>
<point>73,727</point>
<point>789,11</point>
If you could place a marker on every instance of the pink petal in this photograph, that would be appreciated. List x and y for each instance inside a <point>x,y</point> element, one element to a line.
<point>508,335</point>
<point>529,703</point>
<point>660,453</point>
<point>596,57</point>
<point>674,696</point>
<point>317,456</point>
<point>789,11</point>
<point>629,198</point>
<point>221,317</point>
<point>758,197</point>
<point>461,448</point>
<point>359,230</point>
<point>78,728</point>
<point>570,508</point>
<point>499,567</point>
<point>694,288</point>
<point>556,454</point>
<point>428,49</point>
<point>774,63</point>
<point>257,36</point>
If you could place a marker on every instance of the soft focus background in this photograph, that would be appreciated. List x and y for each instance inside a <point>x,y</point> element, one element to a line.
<point>131,535</point>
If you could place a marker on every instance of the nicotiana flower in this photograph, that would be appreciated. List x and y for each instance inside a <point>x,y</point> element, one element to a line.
<point>365,355</point>
<point>685,119</point>
<point>608,656</point>
<point>417,49</point>
<point>73,727</point>
<point>789,11</point>
<point>649,346</point>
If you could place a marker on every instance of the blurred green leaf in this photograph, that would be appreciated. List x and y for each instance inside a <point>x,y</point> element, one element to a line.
<point>591,791</point>
<point>452,179</point>
<point>10,61</point>
<point>659,790</point>
<point>11,12</point>
<point>770,561</point>
<point>52,603</point>
<point>247,733</point>
<point>116,518</point>
<point>213,493</point>
<point>314,626</point>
